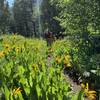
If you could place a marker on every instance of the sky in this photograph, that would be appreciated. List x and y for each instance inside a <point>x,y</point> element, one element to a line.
<point>10,2</point>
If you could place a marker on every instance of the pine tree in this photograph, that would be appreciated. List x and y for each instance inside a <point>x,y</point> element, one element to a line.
<point>23,16</point>
<point>4,16</point>
<point>49,12</point>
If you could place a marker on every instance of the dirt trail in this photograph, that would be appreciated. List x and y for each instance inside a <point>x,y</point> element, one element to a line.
<point>76,88</point>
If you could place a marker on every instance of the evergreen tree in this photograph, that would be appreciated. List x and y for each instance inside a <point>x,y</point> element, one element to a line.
<point>49,11</point>
<point>23,12</point>
<point>4,16</point>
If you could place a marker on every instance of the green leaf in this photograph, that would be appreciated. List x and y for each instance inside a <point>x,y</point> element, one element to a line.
<point>6,92</point>
<point>20,96</point>
<point>27,90</point>
<point>38,90</point>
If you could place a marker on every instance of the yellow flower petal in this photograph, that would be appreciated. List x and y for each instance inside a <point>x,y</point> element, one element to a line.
<point>92,97</point>
<point>83,85</point>
<point>69,65</point>
<point>58,59</point>
<point>17,91</point>
<point>91,92</point>
<point>65,62</point>
<point>87,87</point>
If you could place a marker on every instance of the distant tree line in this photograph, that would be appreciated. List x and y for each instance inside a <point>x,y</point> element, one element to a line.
<point>62,17</point>
<point>22,18</point>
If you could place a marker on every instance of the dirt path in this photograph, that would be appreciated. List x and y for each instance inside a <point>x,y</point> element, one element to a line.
<point>75,88</point>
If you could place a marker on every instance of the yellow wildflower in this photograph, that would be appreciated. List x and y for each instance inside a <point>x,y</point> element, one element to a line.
<point>17,91</point>
<point>34,66</point>
<point>1,54</point>
<point>66,57</point>
<point>69,65</point>
<point>17,49</point>
<point>86,88</point>
<point>67,61</point>
<point>6,46</point>
<point>91,94</point>
<point>58,59</point>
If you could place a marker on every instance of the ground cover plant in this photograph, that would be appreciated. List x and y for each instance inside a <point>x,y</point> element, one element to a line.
<point>79,62</point>
<point>25,73</point>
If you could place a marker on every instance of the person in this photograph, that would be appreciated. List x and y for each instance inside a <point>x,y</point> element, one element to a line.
<point>49,37</point>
